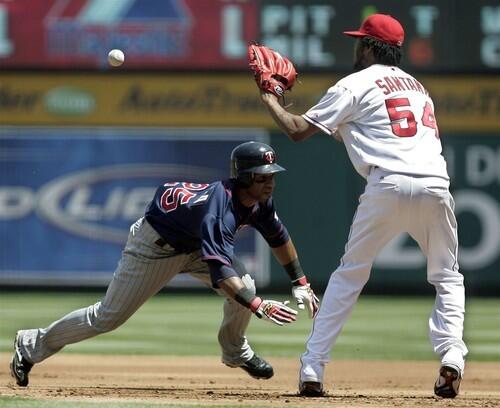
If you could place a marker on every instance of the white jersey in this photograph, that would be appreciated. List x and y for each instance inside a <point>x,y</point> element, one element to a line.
<point>386,119</point>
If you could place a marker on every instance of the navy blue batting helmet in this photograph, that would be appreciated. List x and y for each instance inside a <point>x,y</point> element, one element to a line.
<point>250,158</point>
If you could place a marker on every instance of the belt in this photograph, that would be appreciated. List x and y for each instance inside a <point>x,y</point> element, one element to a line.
<point>161,242</point>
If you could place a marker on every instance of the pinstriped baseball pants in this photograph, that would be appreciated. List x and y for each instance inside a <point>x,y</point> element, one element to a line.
<point>143,270</point>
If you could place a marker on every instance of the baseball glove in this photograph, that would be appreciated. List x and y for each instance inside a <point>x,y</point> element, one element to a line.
<point>273,73</point>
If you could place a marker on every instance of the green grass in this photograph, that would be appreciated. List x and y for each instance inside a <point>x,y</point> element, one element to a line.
<point>16,402</point>
<point>169,324</point>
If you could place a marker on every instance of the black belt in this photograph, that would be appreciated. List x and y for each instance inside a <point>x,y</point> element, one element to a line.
<point>161,242</point>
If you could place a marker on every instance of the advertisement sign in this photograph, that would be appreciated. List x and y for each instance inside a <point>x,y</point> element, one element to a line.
<point>310,32</point>
<point>153,34</point>
<point>69,196</point>
<point>463,103</point>
<point>208,34</point>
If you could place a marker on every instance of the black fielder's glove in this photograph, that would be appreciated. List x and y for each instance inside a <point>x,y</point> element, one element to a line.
<point>271,310</point>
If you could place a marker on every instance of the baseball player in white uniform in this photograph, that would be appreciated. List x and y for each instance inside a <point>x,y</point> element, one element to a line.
<point>385,118</point>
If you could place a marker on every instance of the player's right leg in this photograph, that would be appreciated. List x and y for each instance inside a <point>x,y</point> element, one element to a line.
<point>142,271</point>
<point>374,224</point>
<point>236,351</point>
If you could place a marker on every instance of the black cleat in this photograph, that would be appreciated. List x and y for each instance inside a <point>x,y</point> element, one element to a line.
<point>19,366</point>
<point>448,383</point>
<point>311,389</point>
<point>257,367</point>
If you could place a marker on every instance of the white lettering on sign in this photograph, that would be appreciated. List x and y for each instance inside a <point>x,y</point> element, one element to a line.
<point>136,201</point>
<point>232,25</point>
<point>299,32</point>
<point>396,256</point>
<point>15,202</point>
<point>485,251</point>
<point>482,165</point>
<point>128,204</point>
<point>487,212</point>
<point>490,20</point>
<point>6,46</point>
<point>490,45</point>
<point>424,19</point>
<point>97,203</point>
<point>490,51</point>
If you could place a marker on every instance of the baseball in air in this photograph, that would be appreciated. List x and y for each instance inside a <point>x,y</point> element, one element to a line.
<point>116,58</point>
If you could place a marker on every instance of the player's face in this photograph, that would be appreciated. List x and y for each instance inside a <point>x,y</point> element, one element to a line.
<point>262,187</point>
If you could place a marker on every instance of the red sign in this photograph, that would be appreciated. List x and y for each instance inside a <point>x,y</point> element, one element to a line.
<point>152,34</point>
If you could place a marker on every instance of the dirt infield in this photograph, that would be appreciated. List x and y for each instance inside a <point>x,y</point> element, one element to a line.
<point>205,381</point>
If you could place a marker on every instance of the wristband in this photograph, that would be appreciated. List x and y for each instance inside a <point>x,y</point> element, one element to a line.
<point>300,282</point>
<point>294,270</point>
<point>245,297</point>
<point>254,305</point>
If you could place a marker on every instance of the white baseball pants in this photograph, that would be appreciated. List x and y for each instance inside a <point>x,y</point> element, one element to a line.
<point>392,204</point>
<point>143,270</point>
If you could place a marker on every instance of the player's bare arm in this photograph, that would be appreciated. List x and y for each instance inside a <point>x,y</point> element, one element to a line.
<point>302,292</point>
<point>285,253</point>
<point>231,286</point>
<point>295,126</point>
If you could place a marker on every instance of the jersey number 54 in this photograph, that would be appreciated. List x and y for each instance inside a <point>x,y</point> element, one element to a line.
<point>396,115</point>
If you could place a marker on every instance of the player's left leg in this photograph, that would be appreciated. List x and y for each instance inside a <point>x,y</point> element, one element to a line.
<point>435,230</point>
<point>236,352</point>
<point>142,271</point>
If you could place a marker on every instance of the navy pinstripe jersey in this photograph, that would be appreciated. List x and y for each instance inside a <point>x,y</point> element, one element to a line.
<point>193,216</point>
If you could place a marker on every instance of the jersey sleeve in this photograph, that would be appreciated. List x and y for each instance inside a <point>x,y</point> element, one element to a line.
<point>217,243</point>
<point>270,226</point>
<point>217,239</point>
<point>220,272</point>
<point>334,108</point>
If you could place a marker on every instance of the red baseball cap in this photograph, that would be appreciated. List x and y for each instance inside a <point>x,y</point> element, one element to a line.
<point>382,27</point>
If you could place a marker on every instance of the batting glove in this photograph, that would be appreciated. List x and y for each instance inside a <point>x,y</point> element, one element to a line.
<point>303,294</point>
<point>271,310</point>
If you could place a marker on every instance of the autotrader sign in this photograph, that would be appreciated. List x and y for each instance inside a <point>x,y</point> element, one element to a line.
<point>463,103</point>
<point>69,196</point>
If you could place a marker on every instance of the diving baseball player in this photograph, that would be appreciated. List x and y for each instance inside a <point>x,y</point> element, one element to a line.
<point>190,228</point>
<point>385,118</point>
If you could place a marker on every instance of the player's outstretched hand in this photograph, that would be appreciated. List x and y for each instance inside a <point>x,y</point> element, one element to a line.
<point>304,295</point>
<point>273,311</point>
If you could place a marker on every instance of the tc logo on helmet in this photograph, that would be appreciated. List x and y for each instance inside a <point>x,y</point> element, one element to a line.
<point>269,157</point>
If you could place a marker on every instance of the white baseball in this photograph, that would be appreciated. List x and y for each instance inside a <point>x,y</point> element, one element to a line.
<point>116,58</point>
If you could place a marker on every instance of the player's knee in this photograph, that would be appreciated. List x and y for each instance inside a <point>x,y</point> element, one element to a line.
<point>352,274</point>
<point>441,277</point>
<point>102,319</point>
